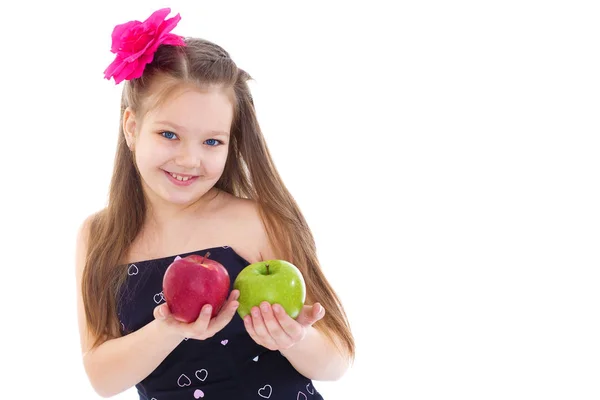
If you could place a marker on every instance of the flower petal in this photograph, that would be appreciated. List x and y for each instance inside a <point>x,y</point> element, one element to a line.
<point>157,18</point>
<point>114,68</point>
<point>168,25</point>
<point>138,54</point>
<point>119,33</point>
<point>130,71</point>
<point>135,43</point>
<point>173,40</point>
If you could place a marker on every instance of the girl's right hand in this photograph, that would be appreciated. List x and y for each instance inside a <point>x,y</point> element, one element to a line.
<point>204,327</point>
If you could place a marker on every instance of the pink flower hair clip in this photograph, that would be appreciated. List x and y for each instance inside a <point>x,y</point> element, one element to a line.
<point>135,43</point>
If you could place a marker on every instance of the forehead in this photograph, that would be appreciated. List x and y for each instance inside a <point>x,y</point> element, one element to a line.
<point>192,107</point>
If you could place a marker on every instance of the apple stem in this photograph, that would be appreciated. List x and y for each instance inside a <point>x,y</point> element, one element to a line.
<point>267,266</point>
<point>205,256</point>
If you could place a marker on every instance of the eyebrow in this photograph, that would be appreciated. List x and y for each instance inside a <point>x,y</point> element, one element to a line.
<point>181,128</point>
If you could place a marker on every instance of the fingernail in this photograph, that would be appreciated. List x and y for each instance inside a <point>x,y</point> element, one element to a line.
<point>264,307</point>
<point>207,309</point>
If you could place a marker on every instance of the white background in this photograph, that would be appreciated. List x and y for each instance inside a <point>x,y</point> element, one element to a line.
<point>444,153</point>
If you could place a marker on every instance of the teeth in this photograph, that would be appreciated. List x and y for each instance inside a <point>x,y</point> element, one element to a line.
<point>180,178</point>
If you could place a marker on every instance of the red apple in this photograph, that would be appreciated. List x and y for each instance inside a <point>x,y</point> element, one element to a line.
<point>193,281</point>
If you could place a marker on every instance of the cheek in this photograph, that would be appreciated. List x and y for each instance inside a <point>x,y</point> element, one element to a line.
<point>151,156</point>
<point>215,164</point>
<point>142,160</point>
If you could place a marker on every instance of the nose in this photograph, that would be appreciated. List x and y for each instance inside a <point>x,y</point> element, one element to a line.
<point>189,157</point>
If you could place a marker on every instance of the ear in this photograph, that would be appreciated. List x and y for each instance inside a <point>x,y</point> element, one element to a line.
<point>129,125</point>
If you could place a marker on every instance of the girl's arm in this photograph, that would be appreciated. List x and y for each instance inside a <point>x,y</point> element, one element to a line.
<point>316,357</point>
<point>308,350</point>
<point>118,364</point>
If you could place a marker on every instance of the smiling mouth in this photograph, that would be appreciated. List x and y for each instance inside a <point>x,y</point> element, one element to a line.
<point>181,177</point>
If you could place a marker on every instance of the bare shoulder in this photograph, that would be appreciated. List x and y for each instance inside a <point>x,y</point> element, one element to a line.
<point>81,249</point>
<point>84,228</point>
<point>83,234</point>
<point>251,239</point>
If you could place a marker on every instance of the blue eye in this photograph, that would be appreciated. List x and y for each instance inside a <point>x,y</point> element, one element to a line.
<point>168,135</point>
<point>213,142</point>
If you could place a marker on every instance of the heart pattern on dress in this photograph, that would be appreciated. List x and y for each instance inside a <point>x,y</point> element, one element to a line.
<point>184,381</point>
<point>309,390</point>
<point>132,270</point>
<point>158,297</point>
<point>265,391</point>
<point>202,374</point>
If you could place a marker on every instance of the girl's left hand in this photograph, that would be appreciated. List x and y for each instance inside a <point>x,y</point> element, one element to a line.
<point>271,327</point>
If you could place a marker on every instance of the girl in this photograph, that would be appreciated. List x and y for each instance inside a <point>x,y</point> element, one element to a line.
<point>193,175</point>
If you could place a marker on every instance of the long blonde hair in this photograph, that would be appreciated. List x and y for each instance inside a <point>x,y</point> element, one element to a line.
<point>249,173</point>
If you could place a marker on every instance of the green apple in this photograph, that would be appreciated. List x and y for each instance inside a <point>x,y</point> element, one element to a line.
<point>275,281</point>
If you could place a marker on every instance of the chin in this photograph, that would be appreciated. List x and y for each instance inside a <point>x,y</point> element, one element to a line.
<point>179,201</point>
<point>183,200</point>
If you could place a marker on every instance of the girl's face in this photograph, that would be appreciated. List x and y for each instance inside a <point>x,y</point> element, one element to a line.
<point>181,146</point>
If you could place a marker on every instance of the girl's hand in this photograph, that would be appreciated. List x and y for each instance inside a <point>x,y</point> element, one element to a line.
<point>271,327</point>
<point>204,327</point>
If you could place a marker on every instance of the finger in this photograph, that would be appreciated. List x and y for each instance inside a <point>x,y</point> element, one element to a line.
<point>223,318</point>
<point>292,327</point>
<point>162,311</point>
<point>304,318</point>
<point>234,295</point>
<point>200,326</point>
<point>280,337</point>
<point>163,314</point>
<point>311,314</point>
<point>261,329</point>
<point>158,313</point>
<point>318,312</point>
<point>250,329</point>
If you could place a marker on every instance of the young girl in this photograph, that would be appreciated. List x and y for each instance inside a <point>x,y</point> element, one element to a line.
<point>193,175</point>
